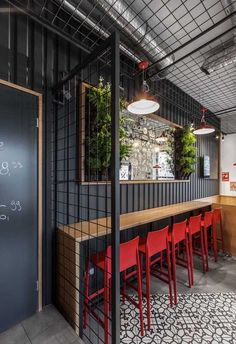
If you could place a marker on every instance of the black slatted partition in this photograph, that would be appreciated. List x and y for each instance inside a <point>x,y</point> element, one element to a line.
<point>34,57</point>
<point>77,206</point>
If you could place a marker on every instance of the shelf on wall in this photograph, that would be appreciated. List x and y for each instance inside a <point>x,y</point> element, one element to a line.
<point>137,182</point>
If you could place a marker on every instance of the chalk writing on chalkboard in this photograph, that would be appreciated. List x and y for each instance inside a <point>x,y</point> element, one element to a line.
<point>4,218</point>
<point>12,206</point>
<point>15,206</point>
<point>6,167</point>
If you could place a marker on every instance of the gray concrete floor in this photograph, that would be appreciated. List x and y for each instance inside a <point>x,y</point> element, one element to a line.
<point>46,327</point>
<point>221,277</point>
<point>49,327</point>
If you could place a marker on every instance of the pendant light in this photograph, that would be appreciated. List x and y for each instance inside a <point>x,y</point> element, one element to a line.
<point>204,128</point>
<point>144,103</point>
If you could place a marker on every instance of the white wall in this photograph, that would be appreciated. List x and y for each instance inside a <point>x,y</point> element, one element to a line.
<point>228,158</point>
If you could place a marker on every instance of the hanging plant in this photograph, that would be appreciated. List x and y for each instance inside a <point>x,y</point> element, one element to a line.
<point>185,152</point>
<point>99,141</point>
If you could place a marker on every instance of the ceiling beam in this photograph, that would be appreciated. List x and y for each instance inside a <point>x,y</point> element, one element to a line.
<point>191,41</point>
<point>227,113</point>
<point>225,110</point>
<point>191,52</point>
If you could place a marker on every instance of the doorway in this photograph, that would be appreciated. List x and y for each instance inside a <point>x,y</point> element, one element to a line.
<point>20,203</point>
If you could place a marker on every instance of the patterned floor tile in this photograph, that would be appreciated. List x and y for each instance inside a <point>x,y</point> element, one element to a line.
<point>197,319</point>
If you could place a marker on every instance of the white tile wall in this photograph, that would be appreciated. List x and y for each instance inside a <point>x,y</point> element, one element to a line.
<point>228,158</point>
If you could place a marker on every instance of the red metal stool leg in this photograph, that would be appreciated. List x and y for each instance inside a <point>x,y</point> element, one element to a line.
<point>152,249</point>
<point>161,261</point>
<point>206,246</point>
<point>195,233</point>
<point>129,258</point>
<point>140,296</point>
<point>169,273</point>
<point>179,238</point>
<point>106,308</point>
<point>191,259</point>
<point>148,291</point>
<point>215,244</point>
<point>86,296</point>
<point>202,251</point>
<point>189,266</point>
<point>124,286</point>
<point>174,273</point>
<point>207,226</point>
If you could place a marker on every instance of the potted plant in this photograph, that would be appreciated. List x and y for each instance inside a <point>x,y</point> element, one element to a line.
<point>100,140</point>
<point>185,152</point>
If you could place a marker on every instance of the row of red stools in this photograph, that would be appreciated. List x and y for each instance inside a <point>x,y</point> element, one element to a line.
<point>146,255</point>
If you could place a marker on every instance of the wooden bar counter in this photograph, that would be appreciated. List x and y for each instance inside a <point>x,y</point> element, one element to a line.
<point>82,231</point>
<point>228,205</point>
<point>71,240</point>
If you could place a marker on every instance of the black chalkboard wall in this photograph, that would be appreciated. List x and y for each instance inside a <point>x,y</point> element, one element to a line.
<point>18,206</point>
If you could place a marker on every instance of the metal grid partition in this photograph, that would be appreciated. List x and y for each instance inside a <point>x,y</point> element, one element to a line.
<point>87,204</point>
<point>171,34</point>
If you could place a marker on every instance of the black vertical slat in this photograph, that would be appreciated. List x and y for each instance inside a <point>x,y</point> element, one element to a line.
<point>13,47</point>
<point>155,192</point>
<point>31,46</point>
<point>127,198</point>
<point>130,200</point>
<point>21,47</point>
<point>37,56</point>
<point>123,198</point>
<point>150,195</point>
<point>115,187</point>
<point>146,195</point>
<point>4,56</point>
<point>141,197</point>
<point>136,197</point>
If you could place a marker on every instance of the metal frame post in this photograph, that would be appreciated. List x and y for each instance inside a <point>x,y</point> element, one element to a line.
<point>115,188</point>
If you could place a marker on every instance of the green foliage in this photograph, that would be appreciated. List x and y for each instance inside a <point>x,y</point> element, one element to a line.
<point>185,152</point>
<point>99,142</point>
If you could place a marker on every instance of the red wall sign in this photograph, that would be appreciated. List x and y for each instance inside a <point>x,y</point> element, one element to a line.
<point>225,176</point>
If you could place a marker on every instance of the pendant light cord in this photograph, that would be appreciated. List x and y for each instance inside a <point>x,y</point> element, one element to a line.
<point>145,84</point>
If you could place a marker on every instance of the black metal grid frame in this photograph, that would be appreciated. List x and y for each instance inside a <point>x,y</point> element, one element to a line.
<point>73,202</point>
<point>179,26</point>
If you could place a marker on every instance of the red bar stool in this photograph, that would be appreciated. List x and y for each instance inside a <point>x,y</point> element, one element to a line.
<point>129,258</point>
<point>195,231</point>
<point>179,236</point>
<point>207,223</point>
<point>156,243</point>
<point>217,221</point>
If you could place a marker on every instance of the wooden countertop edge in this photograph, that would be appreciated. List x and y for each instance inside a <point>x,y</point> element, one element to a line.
<point>124,182</point>
<point>75,233</point>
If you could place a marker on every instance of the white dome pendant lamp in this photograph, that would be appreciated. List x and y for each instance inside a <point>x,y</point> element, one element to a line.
<point>204,128</point>
<point>144,103</point>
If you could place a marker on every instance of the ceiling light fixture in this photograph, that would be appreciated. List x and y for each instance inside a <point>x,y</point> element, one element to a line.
<point>204,128</point>
<point>144,103</point>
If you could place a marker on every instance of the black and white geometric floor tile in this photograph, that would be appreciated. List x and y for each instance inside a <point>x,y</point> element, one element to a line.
<point>198,318</point>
